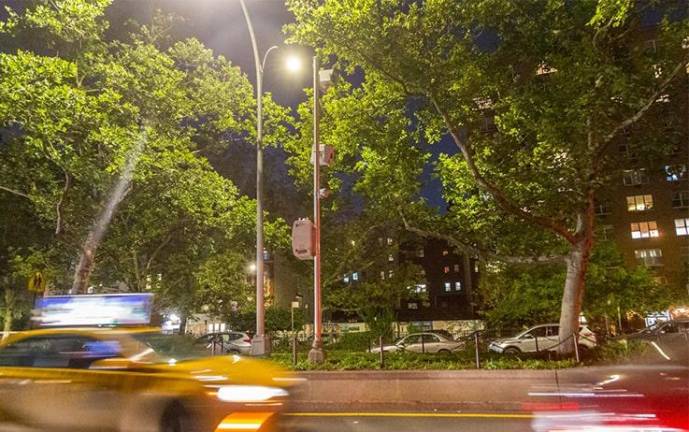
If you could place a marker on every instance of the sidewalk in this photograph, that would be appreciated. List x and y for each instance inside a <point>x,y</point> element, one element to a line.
<point>472,390</point>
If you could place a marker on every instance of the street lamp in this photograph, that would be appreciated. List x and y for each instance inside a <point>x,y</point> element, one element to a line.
<point>260,344</point>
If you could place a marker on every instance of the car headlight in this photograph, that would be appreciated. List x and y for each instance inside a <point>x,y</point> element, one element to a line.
<point>248,393</point>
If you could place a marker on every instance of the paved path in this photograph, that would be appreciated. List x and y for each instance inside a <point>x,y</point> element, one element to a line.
<point>406,422</point>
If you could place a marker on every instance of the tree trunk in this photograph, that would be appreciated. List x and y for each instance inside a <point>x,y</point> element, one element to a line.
<point>183,324</point>
<point>9,311</point>
<point>573,295</point>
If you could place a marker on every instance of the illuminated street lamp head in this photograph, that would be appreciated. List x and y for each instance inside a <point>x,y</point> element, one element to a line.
<point>293,63</point>
<point>252,268</point>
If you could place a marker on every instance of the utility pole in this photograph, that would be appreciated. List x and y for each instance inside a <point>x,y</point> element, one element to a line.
<point>316,353</point>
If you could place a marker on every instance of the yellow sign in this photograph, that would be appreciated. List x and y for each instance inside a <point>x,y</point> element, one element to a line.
<point>37,283</point>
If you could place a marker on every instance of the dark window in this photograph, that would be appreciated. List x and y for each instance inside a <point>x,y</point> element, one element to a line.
<point>538,332</point>
<point>414,339</point>
<point>680,199</point>
<point>59,351</point>
<point>602,208</point>
<point>635,177</point>
<point>429,338</point>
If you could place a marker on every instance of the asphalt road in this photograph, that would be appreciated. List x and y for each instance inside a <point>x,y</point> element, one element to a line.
<point>406,422</point>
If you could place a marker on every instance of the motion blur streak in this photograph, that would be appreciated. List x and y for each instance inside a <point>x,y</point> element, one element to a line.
<point>243,421</point>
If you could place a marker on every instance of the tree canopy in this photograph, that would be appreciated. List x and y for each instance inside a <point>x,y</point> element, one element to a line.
<point>75,107</point>
<point>534,95</point>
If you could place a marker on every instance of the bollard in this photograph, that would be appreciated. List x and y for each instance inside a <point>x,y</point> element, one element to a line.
<point>476,351</point>
<point>382,351</point>
<point>576,347</point>
<point>423,345</point>
<point>294,350</point>
<point>536,340</point>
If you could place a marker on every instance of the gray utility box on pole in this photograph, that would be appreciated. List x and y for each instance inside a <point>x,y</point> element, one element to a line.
<point>302,239</point>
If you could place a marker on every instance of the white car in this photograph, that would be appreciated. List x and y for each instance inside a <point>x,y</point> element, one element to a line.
<point>422,343</point>
<point>542,337</point>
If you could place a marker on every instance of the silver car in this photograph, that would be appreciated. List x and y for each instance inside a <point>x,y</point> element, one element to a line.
<point>542,337</point>
<point>423,343</point>
<point>226,343</point>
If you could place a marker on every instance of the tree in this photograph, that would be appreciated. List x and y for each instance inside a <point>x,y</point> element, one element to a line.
<point>516,295</point>
<point>533,95</point>
<point>77,109</point>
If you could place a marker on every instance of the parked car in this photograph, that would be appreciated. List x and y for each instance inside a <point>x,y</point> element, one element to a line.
<point>663,330</point>
<point>227,343</point>
<point>422,342</point>
<point>543,337</point>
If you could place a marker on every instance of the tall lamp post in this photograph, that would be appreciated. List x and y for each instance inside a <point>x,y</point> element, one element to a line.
<point>260,344</point>
<point>316,353</point>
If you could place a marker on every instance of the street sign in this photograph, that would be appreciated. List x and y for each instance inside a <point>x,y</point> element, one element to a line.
<point>302,239</point>
<point>37,283</point>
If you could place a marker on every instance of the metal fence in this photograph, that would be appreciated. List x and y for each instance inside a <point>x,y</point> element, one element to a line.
<point>475,343</point>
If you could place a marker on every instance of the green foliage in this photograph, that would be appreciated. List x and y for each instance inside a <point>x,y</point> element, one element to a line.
<point>277,320</point>
<point>525,294</point>
<point>72,108</point>
<point>534,95</point>
<point>345,360</point>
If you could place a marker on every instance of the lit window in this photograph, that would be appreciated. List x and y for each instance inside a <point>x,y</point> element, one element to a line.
<point>458,286</point>
<point>445,252</point>
<point>680,199</point>
<point>448,287</point>
<point>644,229</point>
<point>391,258</point>
<point>390,273</point>
<point>355,276</point>
<point>346,279</point>
<point>456,268</point>
<point>412,305</point>
<point>649,257</point>
<point>420,253</point>
<point>420,288</point>
<point>389,241</point>
<point>634,177</point>
<point>382,275</point>
<point>682,226</point>
<point>639,203</point>
<point>675,172</point>
<point>446,269</point>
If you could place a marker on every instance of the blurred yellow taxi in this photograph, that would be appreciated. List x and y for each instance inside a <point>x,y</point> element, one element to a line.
<point>132,379</point>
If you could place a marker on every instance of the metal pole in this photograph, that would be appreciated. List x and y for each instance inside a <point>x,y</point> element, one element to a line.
<point>316,353</point>
<point>294,349</point>
<point>382,352</point>
<point>476,351</point>
<point>259,344</point>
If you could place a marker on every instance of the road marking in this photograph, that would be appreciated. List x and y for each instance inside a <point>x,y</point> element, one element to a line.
<point>416,414</point>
